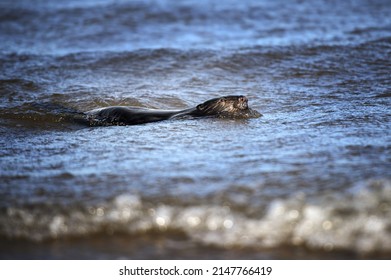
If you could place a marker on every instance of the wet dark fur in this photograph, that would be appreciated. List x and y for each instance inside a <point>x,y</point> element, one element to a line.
<point>225,107</point>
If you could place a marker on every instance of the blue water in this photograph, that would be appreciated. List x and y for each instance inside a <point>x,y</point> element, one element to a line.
<point>309,179</point>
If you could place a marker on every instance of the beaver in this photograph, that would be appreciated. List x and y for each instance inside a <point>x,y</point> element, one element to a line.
<point>222,107</point>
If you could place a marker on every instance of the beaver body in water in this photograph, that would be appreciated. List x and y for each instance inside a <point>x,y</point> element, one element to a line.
<point>223,107</point>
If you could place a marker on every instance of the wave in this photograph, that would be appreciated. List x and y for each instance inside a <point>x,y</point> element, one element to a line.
<point>356,220</point>
<point>67,27</point>
<point>313,59</point>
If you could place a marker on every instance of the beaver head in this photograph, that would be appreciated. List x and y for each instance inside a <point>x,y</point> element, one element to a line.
<point>229,107</point>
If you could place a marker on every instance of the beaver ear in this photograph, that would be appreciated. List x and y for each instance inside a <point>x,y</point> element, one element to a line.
<point>200,107</point>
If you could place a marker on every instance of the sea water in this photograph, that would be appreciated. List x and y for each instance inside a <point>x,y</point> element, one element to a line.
<point>309,179</point>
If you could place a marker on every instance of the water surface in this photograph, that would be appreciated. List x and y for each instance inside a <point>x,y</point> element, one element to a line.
<point>310,179</point>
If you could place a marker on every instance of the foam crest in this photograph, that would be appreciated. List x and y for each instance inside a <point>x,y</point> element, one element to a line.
<point>357,220</point>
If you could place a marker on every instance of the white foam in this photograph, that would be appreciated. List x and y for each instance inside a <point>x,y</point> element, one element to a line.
<point>358,220</point>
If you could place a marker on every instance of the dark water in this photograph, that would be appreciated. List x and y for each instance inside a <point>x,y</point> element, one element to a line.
<point>310,179</point>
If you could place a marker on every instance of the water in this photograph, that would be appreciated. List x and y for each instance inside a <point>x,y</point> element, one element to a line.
<point>310,179</point>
